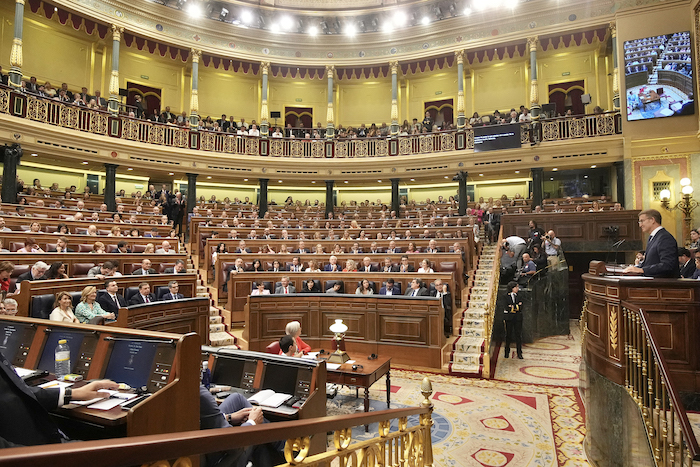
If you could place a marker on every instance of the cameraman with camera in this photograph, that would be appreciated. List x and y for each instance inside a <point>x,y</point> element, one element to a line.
<point>552,246</point>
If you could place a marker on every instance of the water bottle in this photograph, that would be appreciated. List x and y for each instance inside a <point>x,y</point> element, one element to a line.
<point>62,359</point>
<point>206,375</point>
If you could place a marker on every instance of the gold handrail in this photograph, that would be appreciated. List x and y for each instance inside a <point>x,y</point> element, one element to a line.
<point>491,304</point>
<point>406,446</point>
<point>649,384</point>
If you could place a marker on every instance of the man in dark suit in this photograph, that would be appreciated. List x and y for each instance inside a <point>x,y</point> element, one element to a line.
<point>661,257</point>
<point>686,263</point>
<point>333,265</point>
<point>432,247</point>
<point>296,265</point>
<point>393,248</point>
<point>179,268</point>
<point>390,288</point>
<point>513,320</point>
<point>140,111</point>
<point>302,248</point>
<point>25,417</point>
<point>367,265</point>
<point>404,266</point>
<point>122,247</point>
<point>416,289</point>
<point>109,299</point>
<point>388,266</point>
<point>173,293</point>
<point>144,295</point>
<point>242,248</point>
<point>492,224</point>
<point>61,246</point>
<point>145,269</point>
<point>35,273</point>
<point>441,291</point>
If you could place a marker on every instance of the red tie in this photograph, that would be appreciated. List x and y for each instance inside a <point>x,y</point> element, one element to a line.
<point>285,290</point>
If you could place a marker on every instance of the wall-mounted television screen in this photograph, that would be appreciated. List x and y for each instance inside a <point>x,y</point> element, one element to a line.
<point>659,76</point>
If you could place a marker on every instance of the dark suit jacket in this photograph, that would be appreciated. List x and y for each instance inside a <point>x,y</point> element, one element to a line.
<point>372,268</point>
<point>410,268</point>
<point>394,291</point>
<point>422,292</point>
<point>139,272</point>
<point>661,256</point>
<point>446,300</point>
<point>108,304</point>
<point>27,276</point>
<point>238,250</point>
<point>116,250</point>
<point>137,300</point>
<point>67,250</point>
<point>291,267</point>
<point>396,250</point>
<point>172,271</point>
<point>328,268</point>
<point>688,270</point>
<point>510,306</point>
<point>393,268</point>
<point>168,296</point>
<point>25,420</point>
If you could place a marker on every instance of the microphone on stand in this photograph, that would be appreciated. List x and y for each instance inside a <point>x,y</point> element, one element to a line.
<point>616,247</point>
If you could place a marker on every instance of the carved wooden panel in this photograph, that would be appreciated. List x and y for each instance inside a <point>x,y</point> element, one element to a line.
<point>403,329</point>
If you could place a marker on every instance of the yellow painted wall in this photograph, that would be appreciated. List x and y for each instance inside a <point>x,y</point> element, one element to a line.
<point>497,190</point>
<point>348,194</point>
<point>499,86</point>
<point>163,73</point>
<point>222,192</point>
<point>578,62</point>
<point>285,92</point>
<point>423,88</point>
<point>364,101</point>
<point>64,178</point>
<point>279,195</point>
<point>226,92</point>
<point>421,194</point>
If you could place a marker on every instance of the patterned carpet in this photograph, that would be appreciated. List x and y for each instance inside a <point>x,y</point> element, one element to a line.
<point>486,423</point>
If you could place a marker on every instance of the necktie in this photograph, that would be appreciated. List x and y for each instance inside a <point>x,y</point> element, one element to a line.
<point>114,297</point>
<point>414,293</point>
<point>146,299</point>
<point>172,296</point>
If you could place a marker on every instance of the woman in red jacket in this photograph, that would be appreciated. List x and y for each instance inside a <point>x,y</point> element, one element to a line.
<point>294,329</point>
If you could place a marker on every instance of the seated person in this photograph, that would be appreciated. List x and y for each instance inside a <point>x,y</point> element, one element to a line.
<point>173,292</point>
<point>365,288</point>
<point>63,309</point>
<point>179,268</point>
<point>144,295</point>
<point>35,273</point>
<point>335,289</point>
<point>260,289</point>
<point>88,310</point>
<point>9,307</point>
<point>390,288</point>
<point>310,287</point>
<point>293,329</point>
<point>110,299</point>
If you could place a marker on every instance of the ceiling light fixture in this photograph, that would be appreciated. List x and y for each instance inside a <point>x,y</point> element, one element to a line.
<point>387,27</point>
<point>246,17</point>
<point>400,18</point>
<point>350,30</point>
<point>425,21</point>
<point>194,10</point>
<point>313,30</point>
<point>286,23</point>
<point>467,11</point>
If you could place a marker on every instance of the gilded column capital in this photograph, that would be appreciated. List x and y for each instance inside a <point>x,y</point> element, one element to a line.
<point>459,55</point>
<point>265,67</point>
<point>196,55</point>
<point>16,53</point>
<point>330,69</point>
<point>613,28</point>
<point>532,43</point>
<point>394,67</point>
<point>117,32</point>
<point>21,2</point>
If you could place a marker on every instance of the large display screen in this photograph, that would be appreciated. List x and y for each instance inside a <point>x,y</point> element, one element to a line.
<point>10,335</point>
<point>280,378</point>
<point>491,138</point>
<point>659,76</point>
<point>229,371</point>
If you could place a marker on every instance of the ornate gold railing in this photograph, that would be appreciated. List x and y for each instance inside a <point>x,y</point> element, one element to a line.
<point>491,304</point>
<point>406,446</point>
<point>648,382</point>
<point>144,131</point>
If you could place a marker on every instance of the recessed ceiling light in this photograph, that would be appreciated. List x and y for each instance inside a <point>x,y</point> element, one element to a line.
<point>350,30</point>
<point>193,9</point>
<point>34,154</point>
<point>467,11</point>
<point>379,181</point>
<point>313,181</point>
<point>84,162</point>
<point>593,166</point>
<point>585,176</point>
<point>209,177</point>
<point>346,181</point>
<point>481,175</point>
<point>130,168</point>
<point>447,176</point>
<point>286,23</point>
<point>387,27</point>
<point>399,18</point>
<point>275,28</point>
<point>517,171</point>
<point>413,179</point>
<point>246,16</point>
<point>313,30</point>
<point>245,179</point>
<point>171,173</point>
<point>425,21</point>
<point>279,181</point>
<point>551,178</point>
<point>554,169</point>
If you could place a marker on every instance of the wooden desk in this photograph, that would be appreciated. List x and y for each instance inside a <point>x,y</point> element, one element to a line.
<point>371,371</point>
<point>407,329</point>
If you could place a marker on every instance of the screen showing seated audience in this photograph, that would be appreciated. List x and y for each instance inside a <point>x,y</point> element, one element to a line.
<point>131,362</point>
<point>491,138</point>
<point>74,340</point>
<point>659,76</point>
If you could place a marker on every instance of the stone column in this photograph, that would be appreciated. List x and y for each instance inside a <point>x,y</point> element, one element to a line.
<point>537,189</point>
<point>110,186</point>
<point>194,95</point>
<point>262,200</point>
<point>9,173</point>
<point>16,52</point>
<point>534,90</point>
<point>395,202</point>
<point>330,128</point>
<point>329,197</point>
<point>191,192</point>
<point>264,113</point>
<point>616,72</point>
<point>620,189</point>
<point>462,192</point>
<point>394,98</point>
<point>461,117</point>
<point>113,103</point>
